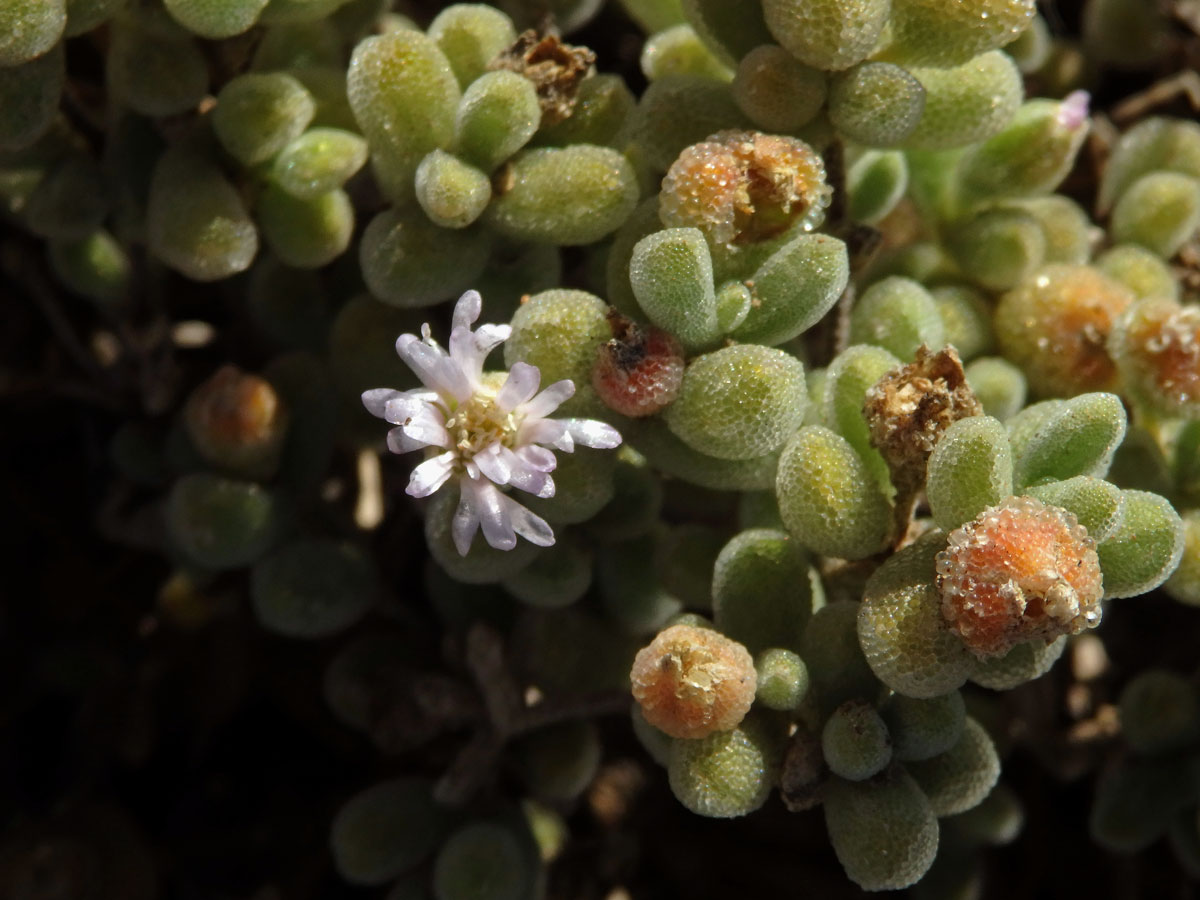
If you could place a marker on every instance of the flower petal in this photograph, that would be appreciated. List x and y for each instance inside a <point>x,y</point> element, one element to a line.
<point>536,457</point>
<point>465,522</point>
<point>405,408</point>
<point>399,442</point>
<point>376,399</point>
<point>550,399</point>
<point>467,310</point>
<point>436,370</point>
<point>593,433</point>
<point>494,516</point>
<point>521,385</point>
<point>546,431</point>
<point>494,465</point>
<point>431,474</point>
<point>529,526</point>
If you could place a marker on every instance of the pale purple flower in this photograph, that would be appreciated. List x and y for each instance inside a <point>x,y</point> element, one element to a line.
<point>484,434</point>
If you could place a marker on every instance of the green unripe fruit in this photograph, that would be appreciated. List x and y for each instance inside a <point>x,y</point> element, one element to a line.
<point>409,261</point>
<point>1144,273</point>
<point>483,861</point>
<point>1023,663</point>
<point>999,248</point>
<point>884,831</point>
<point>727,773</point>
<point>672,278</point>
<point>28,28</point>
<point>1095,503</point>
<point>215,18</point>
<point>678,111</point>
<point>96,266</point>
<point>471,35</point>
<point>899,315</point>
<point>835,660</point>
<point>1065,226</point>
<point>498,114</point>
<point>777,92</point>
<point>960,778</point>
<point>298,46</point>
<point>312,588</point>
<point>560,332</point>
<point>855,741</point>
<point>195,218</point>
<point>760,590</point>
<point>876,182</point>
<point>1032,155</point>
<point>155,77</point>
<point>220,523</point>
<point>876,104</point>
<point>679,51</point>
<point>921,729</point>
<point>828,498</point>
<point>319,161</point>
<point>1144,548</point>
<point>728,31</point>
<point>967,318</point>
<point>404,95</point>
<point>794,289</point>
<point>257,115</point>
<point>935,33</point>
<point>827,34</point>
<point>573,195</point>
<point>29,95</point>
<point>969,470</point>
<point>1153,145</point>
<point>386,830</point>
<point>559,762</point>
<point>967,103</point>
<point>453,193</point>
<point>306,233</point>
<point>654,15</point>
<point>904,635</point>
<point>1033,47</point>
<point>782,679</point>
<point>1061,439</point>
<point>739,402</point>
<point>1160,211</point>
<point>999,385</point>
<point>851,374</point>
<point>1159,712</point>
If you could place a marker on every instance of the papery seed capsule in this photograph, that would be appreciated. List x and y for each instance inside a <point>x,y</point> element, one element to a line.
<point>1156,345</point>
<point>639,371</point>
<point>1055,326</point>
<point>1019,571</point>
<point>742,187</point>
<point>692,682</point>
<point>237,422</point>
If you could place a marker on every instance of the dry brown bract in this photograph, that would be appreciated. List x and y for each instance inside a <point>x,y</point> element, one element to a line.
<point>556,70</point>
<point>909,409</point>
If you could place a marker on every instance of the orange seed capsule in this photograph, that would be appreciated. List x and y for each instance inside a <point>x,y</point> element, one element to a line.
<point>1157,348</point>
<point>639,371</point>
<point>1019,571</point>
<point>692,682</point>
<point>1055,325</point>
<point>741,187</point>
<point>237,422</point>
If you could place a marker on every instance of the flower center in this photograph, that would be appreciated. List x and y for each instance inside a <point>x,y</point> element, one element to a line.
<point>479,423</point>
